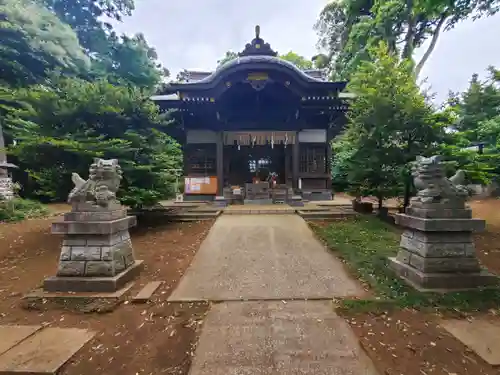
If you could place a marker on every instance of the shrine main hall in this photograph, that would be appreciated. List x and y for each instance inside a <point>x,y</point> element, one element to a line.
<point>258,128</point>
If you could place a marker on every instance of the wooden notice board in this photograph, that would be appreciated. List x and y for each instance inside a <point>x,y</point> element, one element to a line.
<point>200,185</point>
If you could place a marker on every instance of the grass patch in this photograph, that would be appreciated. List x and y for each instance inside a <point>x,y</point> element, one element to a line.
<point>18,209</point>
<point>365,243</point>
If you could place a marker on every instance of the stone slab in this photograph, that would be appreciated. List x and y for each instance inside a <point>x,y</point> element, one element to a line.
<point>442,281</point>
<point>13,335</point>
<point>449,264</point>
<point>440,225</point>
<point>96,239</point>
<point>439,237</point>
<point>92,207</point>
<point>263,257</point>
<point>440,213</point>
<point>95,215</point>
<point>93,227</point>
<point>271,338</point>
<point>145,293</point>
<point>44,352</point>
<point>40,293</point>
<point>481,336</point>
<point>93,284</point>
<point>437,249</point>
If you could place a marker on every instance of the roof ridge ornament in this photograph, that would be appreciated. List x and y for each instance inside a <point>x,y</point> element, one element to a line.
<point>257,47</point>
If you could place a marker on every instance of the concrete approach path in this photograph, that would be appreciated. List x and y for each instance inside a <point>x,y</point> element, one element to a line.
<point>262,271</point>
<point>263,257</point>
<point>278,338</point>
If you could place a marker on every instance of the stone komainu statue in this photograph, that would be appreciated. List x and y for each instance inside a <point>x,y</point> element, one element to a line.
<point>102,185</point>
<point>433,186</point>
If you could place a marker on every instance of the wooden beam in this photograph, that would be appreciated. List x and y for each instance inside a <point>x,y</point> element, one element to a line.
<point>295,162</point>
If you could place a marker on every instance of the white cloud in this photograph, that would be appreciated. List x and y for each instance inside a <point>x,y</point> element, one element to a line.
<point>194,34</point>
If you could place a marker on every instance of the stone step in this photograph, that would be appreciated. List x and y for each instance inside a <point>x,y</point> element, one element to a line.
<point>208,210</point>
<point>334,206</point>
<point>325,214</point>
<point>195,216</point>
<point>145,293</point>
<point>262,212</point>
<point>45,351</point>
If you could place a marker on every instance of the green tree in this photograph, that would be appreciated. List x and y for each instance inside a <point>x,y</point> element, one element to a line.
<point>130,61</point>
<point>34,43</point>
<point>121,59</point>
<point>230,55</point>
<point>87,18</point>
<point>348,28</point>
<point>300,61</point>
<point>474,143</point>
<point>390,123</point>
<point>62,129</point>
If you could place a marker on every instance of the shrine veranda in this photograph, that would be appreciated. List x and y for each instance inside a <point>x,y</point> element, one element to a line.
<point>256,114</point>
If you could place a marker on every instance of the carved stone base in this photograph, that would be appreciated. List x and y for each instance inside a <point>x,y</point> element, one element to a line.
<point>437,250</point>
<point>6,188</point>
<point>442,281</point>
<point>98,227</point>
<point>93,284</point>
<point>451,224</point>
<point>97,253</point>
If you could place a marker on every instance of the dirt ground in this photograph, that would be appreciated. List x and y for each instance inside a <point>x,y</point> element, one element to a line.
<point>153,338</point>
<point>412,343</point>
<point>159,338</point>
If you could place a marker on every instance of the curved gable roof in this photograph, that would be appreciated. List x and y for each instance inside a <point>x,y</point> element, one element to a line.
<point>257,55</point>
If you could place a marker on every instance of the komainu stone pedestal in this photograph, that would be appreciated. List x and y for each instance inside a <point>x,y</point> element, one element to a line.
<point>96,254</point>
<point>437,247</point>
<point>435,256</point>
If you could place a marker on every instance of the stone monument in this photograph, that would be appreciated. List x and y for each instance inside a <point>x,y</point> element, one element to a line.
<point>97,253</point>
<point>6,184</point>
<point>437,247</point>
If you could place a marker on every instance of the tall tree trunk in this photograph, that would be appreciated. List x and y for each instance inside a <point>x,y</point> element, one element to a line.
<point>380,200</point>
<point>432,45</point>
<point>410,33</point>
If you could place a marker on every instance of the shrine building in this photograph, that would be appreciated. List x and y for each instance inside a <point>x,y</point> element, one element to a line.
<point>256,120</point>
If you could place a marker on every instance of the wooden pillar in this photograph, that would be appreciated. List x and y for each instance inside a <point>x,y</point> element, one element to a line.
<point>329,157</point>
<point>220,163</point>
<point>295,162</point>
<point>287,164</point>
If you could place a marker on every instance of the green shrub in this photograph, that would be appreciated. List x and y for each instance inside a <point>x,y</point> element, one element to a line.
<point>18,209</point>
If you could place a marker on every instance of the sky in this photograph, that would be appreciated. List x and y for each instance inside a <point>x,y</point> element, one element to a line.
<point>194,34</point>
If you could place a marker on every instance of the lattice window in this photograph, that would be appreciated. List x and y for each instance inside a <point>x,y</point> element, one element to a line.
<point>312,159</point>
<point>201,160</point>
